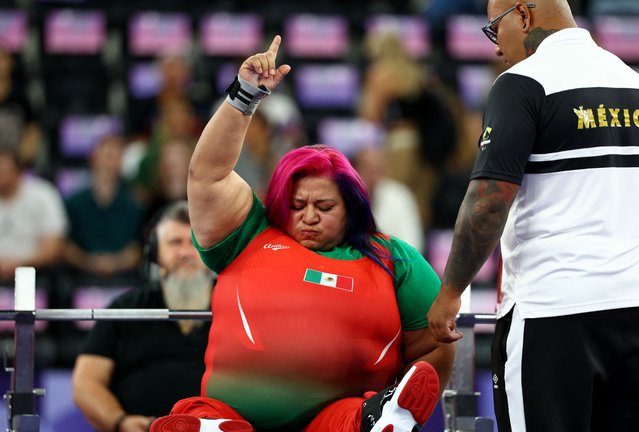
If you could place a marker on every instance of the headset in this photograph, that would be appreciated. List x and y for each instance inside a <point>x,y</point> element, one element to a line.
<point>150,264</point>
<point>150,267</point>
<point>151,246</point>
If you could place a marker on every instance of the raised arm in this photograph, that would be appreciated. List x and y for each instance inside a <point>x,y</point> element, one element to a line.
<point>219,199</point>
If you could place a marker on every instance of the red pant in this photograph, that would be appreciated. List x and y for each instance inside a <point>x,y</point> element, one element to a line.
<point>343,415</point>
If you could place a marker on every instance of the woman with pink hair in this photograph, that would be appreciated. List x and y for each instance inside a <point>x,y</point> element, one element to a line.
<point>319,320</point>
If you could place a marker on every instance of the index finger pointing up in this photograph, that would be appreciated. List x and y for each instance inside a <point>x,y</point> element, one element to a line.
<point>275,45</point>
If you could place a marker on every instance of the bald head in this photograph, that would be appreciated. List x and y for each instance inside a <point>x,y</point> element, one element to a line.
<point>521,30</point>
<point>554,14</point>
<point>548,14</point>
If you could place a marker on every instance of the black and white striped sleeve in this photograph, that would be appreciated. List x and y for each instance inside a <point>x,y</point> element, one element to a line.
<point>510,128</point>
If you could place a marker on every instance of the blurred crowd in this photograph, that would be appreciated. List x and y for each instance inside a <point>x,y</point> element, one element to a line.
<point>416,164</point>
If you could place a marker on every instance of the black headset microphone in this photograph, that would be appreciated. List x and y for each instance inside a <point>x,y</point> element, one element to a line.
<point>151,247</point>
<point>150,263</point>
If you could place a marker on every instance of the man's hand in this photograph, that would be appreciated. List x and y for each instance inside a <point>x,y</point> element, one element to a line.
<point>261,69</point>
<point>136,423</point>
<point>442,315</point>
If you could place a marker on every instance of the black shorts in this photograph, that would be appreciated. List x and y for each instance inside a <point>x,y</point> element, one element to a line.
<point>572,373</point>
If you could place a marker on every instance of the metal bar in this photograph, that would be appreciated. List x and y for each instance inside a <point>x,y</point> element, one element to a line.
<point>463,320</point>
<point>469,319</point>
<point>111,315</point>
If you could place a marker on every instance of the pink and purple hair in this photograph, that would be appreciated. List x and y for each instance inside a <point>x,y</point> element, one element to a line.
<point>323,161</point>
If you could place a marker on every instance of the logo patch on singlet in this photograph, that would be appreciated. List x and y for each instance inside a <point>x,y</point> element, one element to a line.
<point>329,279</point>
<point>275,246</point>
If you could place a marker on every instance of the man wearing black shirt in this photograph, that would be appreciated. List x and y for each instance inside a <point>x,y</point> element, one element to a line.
<point>133,371</point>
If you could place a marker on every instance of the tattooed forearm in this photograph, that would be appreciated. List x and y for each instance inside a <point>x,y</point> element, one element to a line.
<point>479,225</point>
<point>534,38</point>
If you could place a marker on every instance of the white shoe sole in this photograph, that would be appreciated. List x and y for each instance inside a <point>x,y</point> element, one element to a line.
<point>413,402</point>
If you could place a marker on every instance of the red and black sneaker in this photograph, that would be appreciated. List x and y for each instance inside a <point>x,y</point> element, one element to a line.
<point>404,408</point>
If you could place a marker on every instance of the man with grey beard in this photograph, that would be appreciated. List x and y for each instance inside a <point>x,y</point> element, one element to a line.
<point>130,372</point>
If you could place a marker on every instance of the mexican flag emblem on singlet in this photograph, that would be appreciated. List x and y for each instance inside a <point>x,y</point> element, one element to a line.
<point>329,279</point>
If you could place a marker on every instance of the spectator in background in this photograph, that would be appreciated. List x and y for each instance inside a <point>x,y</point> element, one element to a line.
<point>391,75</point>
<point>175,76</point>
<point>453,174</point>
<point>18,124</point>
<point>105,219</point>
<point>394,205</point>
<point>177,122</point>
<point>400,94</point>
<point>33,222</point>
<point>131,372</point>
<point>257,159</point>
<point>287,125</point>
<point>170,114</point>
<point>171,176</point>
<point>437,12</point>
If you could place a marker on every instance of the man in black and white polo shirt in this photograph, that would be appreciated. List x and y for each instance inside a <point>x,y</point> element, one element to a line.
<point>557,179</point>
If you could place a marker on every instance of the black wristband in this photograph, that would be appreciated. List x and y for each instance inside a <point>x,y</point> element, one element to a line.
<point>245,96</point>
<point>118,422</point>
